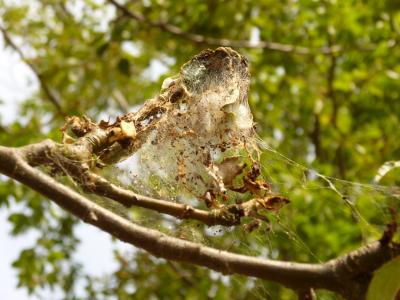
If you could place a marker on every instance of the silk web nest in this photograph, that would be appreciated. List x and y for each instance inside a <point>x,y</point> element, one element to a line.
<point>204,137</point>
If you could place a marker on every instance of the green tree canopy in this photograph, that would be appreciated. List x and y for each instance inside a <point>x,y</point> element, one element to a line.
<point>324,93</point>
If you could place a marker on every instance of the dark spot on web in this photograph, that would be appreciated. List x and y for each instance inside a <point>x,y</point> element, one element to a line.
<point>176,95</point>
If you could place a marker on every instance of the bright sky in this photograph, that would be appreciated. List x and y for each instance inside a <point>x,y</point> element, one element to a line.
<point>95,252</point>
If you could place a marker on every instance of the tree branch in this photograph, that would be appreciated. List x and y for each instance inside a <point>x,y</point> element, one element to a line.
<point>50,153</point>
<point>210,41</point>
<point>52,97</point>
<point>345,275</point>
<point>181,273</point>
<point>104,143</point>
<point>120,100</point>
<point>223,42</point>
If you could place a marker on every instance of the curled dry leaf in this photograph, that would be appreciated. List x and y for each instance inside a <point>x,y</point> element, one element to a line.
<point>77,126</point>
<point>273,203</point>
<point>229,169</point>
<point>126,130</point>
<point>252,225</point>
<point>214,173</point>
<point>253,207</point>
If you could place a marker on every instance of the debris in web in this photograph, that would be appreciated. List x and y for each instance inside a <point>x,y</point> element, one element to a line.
<point>195,143</point>
<point>203,144</point>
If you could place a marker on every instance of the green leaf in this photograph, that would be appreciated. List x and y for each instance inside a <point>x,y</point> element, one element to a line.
<point>20,222</point>
<point>344,120</point>
<point>386,282</point>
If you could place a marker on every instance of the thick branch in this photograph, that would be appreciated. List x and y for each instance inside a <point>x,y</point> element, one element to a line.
<point>210,41</point>
<point>344,275</point>
<point>52,97</point>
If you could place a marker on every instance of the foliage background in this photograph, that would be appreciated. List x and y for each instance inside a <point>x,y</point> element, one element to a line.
<point>334,112</point>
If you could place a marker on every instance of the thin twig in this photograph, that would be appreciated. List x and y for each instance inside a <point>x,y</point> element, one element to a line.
<point>51,153</point>
<point>211,41</point>
<point>185,278</point>
<point>52,97</point>
<point>121,100</point>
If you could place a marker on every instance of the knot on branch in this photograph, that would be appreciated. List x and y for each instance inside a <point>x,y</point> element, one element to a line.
<point>229,215</point>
